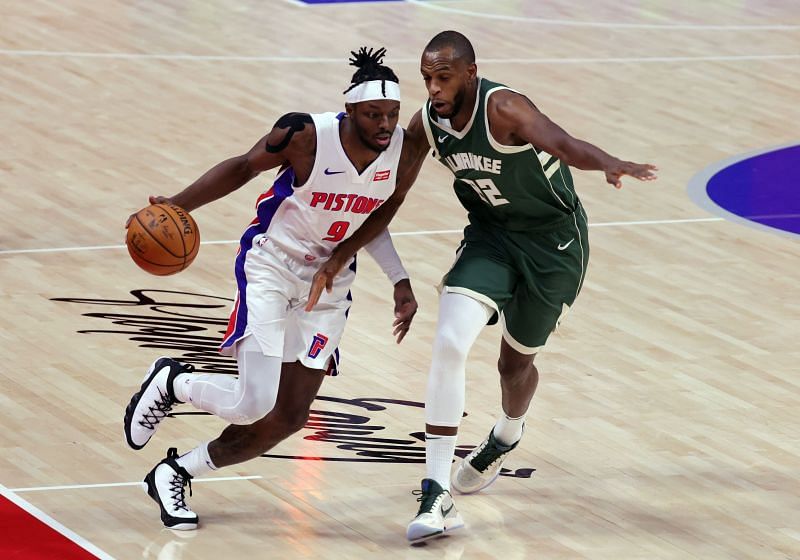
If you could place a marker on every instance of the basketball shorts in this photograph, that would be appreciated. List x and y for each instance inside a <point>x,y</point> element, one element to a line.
<point>270,304</point>
<point>530,278</point>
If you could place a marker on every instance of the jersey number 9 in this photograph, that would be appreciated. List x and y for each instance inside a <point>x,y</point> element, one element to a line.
<point>337,231</point>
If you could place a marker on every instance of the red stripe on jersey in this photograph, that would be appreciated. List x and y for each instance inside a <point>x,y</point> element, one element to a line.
<point>232,320</point>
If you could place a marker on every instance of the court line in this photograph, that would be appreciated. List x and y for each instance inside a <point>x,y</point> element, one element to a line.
<point>606,25</point>
<point>396,234</point>
<point>9,494</point>
<point>118,484</point>
<point>326,60</point>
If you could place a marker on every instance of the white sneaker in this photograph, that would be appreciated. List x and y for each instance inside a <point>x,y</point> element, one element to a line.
<point>437,513</point>
<point>166,485</point>
<point>482,466</point>
<point>154,400</point>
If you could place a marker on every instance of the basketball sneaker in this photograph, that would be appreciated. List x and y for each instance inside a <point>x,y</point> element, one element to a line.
<point>166,484</point>
<point>482,466</point>
<point>437,513</point>
<point>154,400</point>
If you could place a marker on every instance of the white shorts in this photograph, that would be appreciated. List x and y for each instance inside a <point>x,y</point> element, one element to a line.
<point>270,305</point>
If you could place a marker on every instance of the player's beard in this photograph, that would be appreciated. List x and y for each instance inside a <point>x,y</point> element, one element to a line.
<point>458,102</point>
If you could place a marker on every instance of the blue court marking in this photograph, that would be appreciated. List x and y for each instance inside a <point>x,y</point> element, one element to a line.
<point>759,189</point>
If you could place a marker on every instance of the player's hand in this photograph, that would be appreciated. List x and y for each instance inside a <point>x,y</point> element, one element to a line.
<point>405,307</point>
<point>153,200</point>
<point>641,171</point>
<point>323,279</point>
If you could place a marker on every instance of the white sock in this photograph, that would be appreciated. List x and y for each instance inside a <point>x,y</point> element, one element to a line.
<point>181,385</point>
<point>508,431</point>
<point>197,462</point>
<point>439,457</point>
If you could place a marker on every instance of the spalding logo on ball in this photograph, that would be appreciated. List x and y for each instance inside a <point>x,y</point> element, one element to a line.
<point>162,239</point>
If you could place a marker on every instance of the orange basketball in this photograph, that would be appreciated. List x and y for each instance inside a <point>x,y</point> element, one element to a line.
<point>163,239</point>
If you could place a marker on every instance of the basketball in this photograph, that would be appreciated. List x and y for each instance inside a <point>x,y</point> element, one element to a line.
<point>162,239</point>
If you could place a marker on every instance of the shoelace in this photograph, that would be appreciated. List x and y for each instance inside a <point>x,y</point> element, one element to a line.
<point>176,487</point>
<point>162,406</point>
<point>487,457</point>
<point>428,500</point>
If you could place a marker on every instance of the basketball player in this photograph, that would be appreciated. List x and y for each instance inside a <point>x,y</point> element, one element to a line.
<point>522,260</point>
<point>334,170</point>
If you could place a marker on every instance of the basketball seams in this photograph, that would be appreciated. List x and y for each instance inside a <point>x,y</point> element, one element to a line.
<point>138,259</point>
<point>153,237</point>
<point>158,258</point>
<point>178,229</point>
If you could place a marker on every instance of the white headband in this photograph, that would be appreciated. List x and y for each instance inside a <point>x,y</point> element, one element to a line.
<point>369,91</point>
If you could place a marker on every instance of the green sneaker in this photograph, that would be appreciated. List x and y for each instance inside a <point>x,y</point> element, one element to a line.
<point>481,467</point>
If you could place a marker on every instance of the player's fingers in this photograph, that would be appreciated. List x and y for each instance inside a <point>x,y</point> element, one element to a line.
<point>314,292</point>
<point>401,334</point>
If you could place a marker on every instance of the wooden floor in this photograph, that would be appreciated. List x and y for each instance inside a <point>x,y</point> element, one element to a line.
<point>666,424</point>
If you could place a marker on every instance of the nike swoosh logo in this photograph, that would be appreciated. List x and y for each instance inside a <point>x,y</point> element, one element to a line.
<point>442,138</point>
<point>565,245</point>
<point>448,510</point>
<point>329,172</point>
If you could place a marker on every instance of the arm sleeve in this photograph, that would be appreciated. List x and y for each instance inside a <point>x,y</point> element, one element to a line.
<point>382,250</point>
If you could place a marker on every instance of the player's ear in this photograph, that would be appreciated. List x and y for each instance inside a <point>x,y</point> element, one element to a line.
<point>472,71</point>
<point>349,108</point>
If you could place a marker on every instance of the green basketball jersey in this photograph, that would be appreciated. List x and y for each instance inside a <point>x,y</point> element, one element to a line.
<point>514,187</point>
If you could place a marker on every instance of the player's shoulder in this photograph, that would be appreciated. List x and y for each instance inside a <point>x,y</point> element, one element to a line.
<point>504,98</point>
<point>295,131</point>
<point>508,105</point>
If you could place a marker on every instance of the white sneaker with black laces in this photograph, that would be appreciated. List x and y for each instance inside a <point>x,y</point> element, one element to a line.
<point>482,466</point>
<point>437,513</point>
<point>154,400</point>
<point>166,484</point>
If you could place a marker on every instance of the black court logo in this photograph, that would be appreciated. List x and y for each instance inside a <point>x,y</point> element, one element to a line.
<point>189,326</point>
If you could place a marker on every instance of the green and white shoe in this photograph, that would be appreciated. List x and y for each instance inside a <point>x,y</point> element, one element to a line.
<point>437,513</point>
<point>481,467</point>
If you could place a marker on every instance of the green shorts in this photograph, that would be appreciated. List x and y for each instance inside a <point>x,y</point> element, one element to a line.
<point>529,278</point>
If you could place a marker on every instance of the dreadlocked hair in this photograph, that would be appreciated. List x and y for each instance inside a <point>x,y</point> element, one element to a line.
<point>370,67</point>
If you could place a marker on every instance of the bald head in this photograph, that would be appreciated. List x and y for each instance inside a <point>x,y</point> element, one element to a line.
<point>462,48</point>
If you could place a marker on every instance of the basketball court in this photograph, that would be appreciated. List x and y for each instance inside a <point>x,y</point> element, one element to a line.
<point>666,421</point>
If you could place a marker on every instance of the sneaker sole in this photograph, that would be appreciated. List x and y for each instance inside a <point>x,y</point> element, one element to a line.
<point>465,492</point>
<point>451,524</point>
<point>148,378</point>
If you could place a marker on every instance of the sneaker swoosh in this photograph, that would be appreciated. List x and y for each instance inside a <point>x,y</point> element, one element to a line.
<point>329,172</point>
<point>448,510</point>
<point>561,247</point>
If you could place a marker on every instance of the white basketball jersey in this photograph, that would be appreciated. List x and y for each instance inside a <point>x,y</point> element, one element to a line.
<point>307,222</point>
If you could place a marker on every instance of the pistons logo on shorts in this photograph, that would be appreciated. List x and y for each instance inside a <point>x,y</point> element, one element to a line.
<point>319,342</point>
